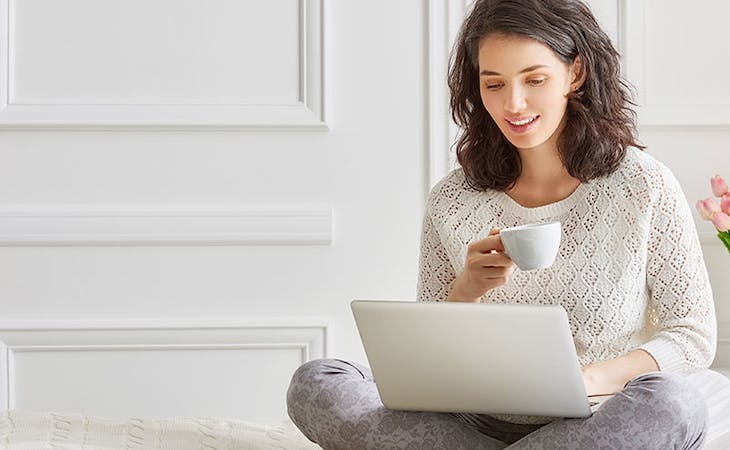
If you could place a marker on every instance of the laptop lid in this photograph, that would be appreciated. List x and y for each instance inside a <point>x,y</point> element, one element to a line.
<point>472,357</point>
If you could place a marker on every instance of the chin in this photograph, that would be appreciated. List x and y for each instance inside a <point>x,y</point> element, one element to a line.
<point>525,143</point>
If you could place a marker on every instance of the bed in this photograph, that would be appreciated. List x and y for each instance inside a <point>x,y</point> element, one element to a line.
<point>715,388</point>
<point>30,430</point>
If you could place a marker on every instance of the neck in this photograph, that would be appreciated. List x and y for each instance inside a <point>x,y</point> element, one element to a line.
<point>543,179</point>
<point>542,166</point>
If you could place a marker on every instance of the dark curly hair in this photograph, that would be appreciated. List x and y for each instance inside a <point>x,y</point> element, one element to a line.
<point>600,123</point>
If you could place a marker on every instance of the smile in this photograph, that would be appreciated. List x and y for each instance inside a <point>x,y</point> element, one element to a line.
<point>523,121</point>
<point>522,126</point>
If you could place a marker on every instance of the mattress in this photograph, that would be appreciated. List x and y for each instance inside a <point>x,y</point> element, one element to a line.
<point>31,430</point>
<point>715,388</point>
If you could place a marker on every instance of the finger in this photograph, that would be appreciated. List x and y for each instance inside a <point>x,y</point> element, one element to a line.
<point>480,261</point>
<point>494,232</point>
<point>489,243</point>
<point>494,272</point>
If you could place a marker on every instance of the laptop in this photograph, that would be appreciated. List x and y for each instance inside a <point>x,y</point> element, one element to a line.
<point>473,358</point>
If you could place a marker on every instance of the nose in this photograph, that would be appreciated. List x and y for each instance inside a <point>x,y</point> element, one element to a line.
<point>515,100</point>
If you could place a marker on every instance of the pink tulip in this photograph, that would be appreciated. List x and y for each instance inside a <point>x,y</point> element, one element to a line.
<point>719,186</point>
<point>708,208</point>
<point>721,221</point>
<point>725,204</point>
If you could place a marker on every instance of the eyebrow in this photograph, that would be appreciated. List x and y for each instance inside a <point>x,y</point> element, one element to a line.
<point>525,70</point>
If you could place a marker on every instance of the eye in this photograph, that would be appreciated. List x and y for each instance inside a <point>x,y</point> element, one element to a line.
<point>492,86</point>
<point>536,81</point>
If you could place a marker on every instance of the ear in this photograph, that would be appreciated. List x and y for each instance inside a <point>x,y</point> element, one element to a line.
<point>578,74</point>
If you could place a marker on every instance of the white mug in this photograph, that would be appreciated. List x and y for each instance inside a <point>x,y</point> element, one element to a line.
<point>532,246</point>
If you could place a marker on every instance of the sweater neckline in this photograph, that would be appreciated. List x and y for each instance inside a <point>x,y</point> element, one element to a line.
<point>545,211</point>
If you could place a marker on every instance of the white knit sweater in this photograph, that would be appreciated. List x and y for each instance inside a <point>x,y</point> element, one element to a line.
<point>629,272</point>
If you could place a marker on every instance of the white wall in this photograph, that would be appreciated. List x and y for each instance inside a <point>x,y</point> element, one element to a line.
<point>163,149</point>
<point>192,192</point>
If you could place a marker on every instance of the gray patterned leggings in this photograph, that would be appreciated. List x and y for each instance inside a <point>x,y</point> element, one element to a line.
<point>335,403</point>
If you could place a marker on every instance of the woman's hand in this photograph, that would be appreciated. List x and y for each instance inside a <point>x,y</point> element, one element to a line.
<point>598,381</point>
<point>610,376</point>
<point>487,267</point>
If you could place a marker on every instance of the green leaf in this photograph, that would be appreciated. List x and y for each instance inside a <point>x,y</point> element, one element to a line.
<point>725,238</point>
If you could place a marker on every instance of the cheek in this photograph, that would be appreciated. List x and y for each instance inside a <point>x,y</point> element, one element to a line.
<point>491,103</point>
<point>554,103</point>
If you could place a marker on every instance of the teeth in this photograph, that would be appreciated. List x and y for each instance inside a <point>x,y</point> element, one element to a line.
<point>523,122</point>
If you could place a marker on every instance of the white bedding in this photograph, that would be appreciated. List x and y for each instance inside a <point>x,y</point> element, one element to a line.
<point>715,388</point>
<point>24,430</point>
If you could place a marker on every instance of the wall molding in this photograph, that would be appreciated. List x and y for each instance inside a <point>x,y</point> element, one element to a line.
<point>307,114</point>
<point>311,339</point>
<point>443,21</point>
<point>92,225</point>
<point>633,26</point>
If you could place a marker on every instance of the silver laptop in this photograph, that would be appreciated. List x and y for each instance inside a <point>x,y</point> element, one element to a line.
<point>478,358</point>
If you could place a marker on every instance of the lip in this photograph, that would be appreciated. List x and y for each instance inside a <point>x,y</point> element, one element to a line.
<point>522,129</point>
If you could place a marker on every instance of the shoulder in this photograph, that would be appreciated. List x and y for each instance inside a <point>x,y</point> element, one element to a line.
<point>453,182</point>
<point>640,175</point>
<point>452,191</point>
<point>640,164</point>
<point>635,156</point>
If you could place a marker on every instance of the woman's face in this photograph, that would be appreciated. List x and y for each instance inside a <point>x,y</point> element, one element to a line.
<point>523,85</point>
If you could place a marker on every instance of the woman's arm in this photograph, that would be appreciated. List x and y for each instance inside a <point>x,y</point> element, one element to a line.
<point>680,303</point>
<point>680,307</point>
<point>609,377</point>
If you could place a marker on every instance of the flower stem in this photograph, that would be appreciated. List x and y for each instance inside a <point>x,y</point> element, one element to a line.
<point>725,238</point>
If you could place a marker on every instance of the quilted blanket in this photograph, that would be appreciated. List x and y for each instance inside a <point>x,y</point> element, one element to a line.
<point>29,430</point>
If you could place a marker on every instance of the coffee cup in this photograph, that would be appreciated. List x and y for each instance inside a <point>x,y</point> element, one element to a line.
<point>532,246</point>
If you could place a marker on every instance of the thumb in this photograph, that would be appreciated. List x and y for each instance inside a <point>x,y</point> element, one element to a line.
<point>493,232</point>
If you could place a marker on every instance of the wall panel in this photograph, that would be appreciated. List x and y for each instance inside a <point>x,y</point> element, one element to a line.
<point>155,369</point>
<point>163,64</point>
<point>671,57</point>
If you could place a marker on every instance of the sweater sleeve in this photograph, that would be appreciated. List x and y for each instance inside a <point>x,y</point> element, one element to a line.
<point>435,272</point>
<point>680,297</point>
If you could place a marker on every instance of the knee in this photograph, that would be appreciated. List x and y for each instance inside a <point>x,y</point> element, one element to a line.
<point>684,405</point>
<point>305,379</point>
<point>319,391</point>
<point>317,370</point>
<point>307,372</point>
<point>662,387</point>
<point>309,379</point>
<point>302,388</point>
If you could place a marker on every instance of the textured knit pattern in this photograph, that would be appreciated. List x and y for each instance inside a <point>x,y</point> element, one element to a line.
<point>629,272</point>
<point>28,430</point>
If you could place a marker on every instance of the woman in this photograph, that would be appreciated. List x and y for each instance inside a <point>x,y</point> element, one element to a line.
<point>549,136</point>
